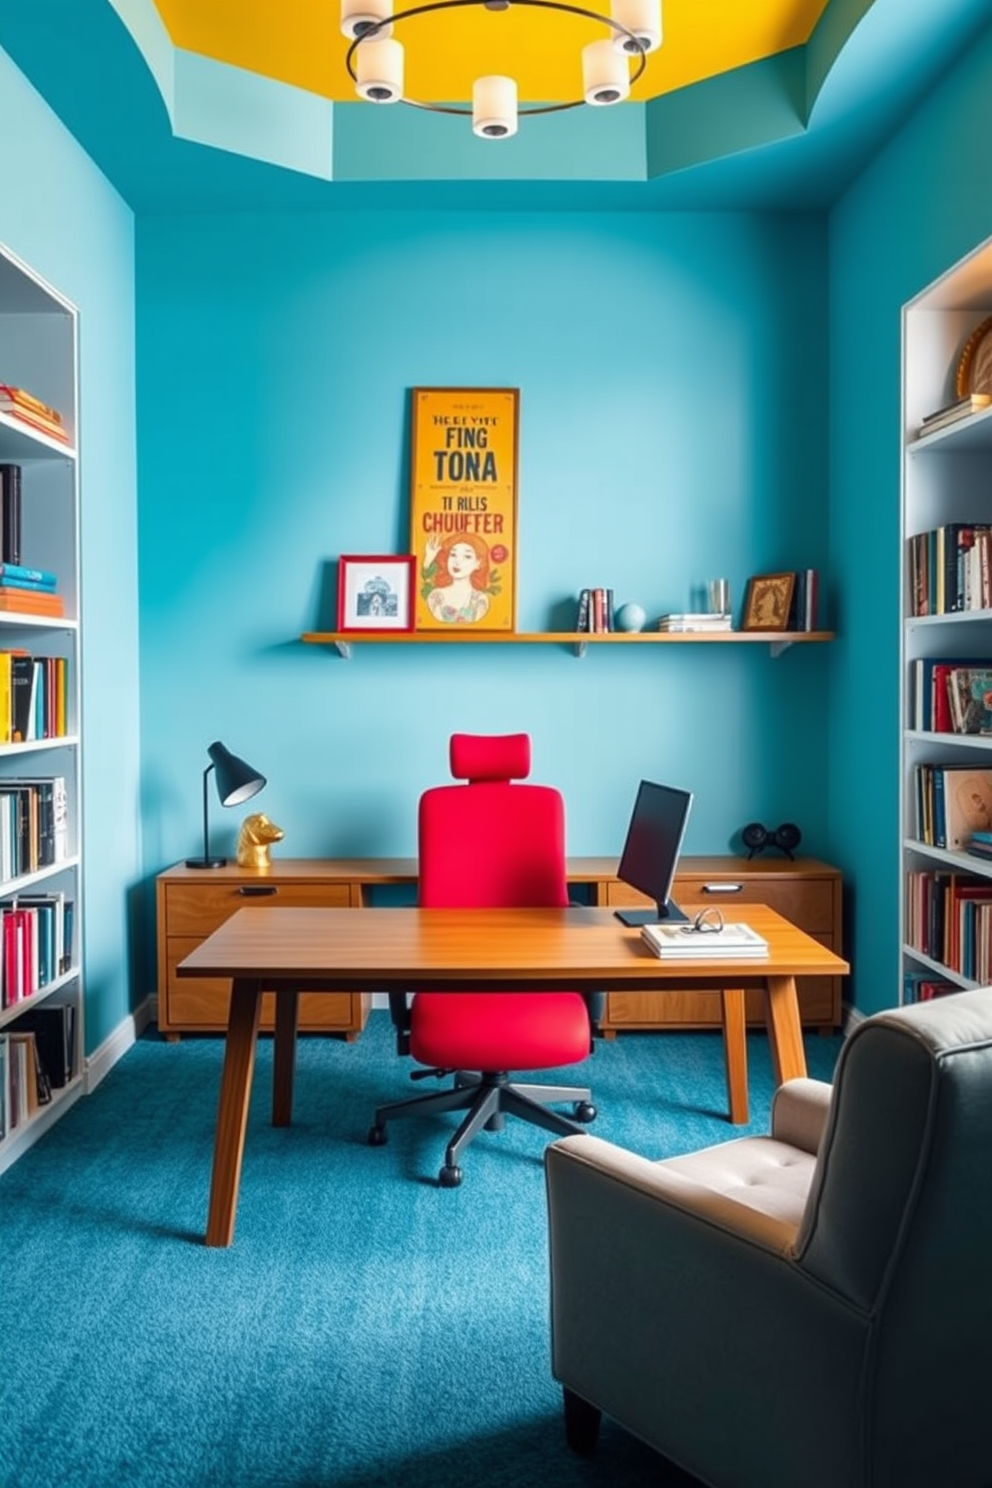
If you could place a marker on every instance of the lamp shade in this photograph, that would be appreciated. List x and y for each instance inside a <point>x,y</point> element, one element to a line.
<point>605,73</point>
<point>359,16</point>
<point>380,71</point>
<point>643,18</point>
<point>236,780</point>
<point>494,107</point>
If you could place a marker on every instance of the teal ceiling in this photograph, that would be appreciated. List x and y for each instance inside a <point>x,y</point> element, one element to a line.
<point>790,132</point>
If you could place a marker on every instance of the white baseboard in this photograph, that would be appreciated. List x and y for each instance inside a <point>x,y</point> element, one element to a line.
<point>103,1059</point>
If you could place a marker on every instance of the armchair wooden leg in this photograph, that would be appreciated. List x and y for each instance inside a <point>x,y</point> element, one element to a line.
<point>582,1422</point>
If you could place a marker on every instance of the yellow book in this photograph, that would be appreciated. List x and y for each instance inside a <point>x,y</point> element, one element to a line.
<point>6,697</point>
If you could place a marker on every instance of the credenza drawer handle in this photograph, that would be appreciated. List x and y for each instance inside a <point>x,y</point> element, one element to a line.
<point>257,891</point>
<point>722,888</point>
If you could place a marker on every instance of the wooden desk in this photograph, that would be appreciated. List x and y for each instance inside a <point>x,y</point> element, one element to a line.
<point>191,904</point>
<point>291,951</point>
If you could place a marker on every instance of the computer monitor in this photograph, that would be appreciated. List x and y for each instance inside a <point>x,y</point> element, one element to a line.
<point>651,851</point>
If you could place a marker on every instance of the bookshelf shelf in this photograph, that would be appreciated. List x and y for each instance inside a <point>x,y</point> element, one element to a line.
<point>41,1003</point>
<point>778,641</point>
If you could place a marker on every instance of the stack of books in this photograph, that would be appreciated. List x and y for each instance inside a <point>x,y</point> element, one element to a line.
<point>27,409</point>
<point>694,620</point>
<point>595,611</point>
<point>684,942</point>
<point>963,408</point>
<point>29,591</point>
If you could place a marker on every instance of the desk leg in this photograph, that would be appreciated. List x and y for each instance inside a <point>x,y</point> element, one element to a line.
<point>232,1114</point>
<point>785,1033</point>
<point>735,1052</point>
<point>284,1057</point>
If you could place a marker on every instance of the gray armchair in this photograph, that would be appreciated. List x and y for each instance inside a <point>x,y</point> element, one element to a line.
<point>811,1309</point>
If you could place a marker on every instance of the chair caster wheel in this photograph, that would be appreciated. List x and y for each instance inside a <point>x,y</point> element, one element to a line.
<point>450,1176</point>
<point>584,1111</point>
<point>378,1136</point>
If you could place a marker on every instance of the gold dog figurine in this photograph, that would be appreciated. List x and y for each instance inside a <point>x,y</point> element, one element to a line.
<point>254,840</point>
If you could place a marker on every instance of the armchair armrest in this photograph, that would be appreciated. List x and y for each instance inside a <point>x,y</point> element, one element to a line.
<point>799,1113</point>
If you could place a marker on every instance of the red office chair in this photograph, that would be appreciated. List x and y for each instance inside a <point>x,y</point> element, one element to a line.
<point>487,844</point>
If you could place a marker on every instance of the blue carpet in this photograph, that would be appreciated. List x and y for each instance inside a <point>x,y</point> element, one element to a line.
<point>366,1328</point>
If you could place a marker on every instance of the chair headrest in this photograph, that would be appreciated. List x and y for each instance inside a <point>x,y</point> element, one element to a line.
<point>490,756</point>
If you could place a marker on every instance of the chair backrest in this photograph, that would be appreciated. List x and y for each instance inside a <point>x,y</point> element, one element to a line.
<point>491,842</point>
<point>899,1223</point>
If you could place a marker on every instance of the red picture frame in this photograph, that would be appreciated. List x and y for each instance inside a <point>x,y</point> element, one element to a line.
<point>375,591</point>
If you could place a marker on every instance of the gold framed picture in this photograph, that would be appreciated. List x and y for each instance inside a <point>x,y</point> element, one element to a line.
<point>463,507</point>
<point>766,604</point>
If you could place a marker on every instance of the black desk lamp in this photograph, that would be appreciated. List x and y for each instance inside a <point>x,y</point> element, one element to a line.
<point>236,782</point>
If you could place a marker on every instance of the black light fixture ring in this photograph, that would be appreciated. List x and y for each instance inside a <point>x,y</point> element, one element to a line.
<point>372,31</point>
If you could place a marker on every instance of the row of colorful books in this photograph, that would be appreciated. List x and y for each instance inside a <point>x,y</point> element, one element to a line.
<point>923,986</point>
<point>951,695</point>
<point>36,932</point>
<point>950,569</point>
<point>952,803</point>
<point>594,615</point>
<point>34,825</point>
<point>949,919</point>
<point>37,1057</point>
<point>34,697</point>
<point>18,403</point>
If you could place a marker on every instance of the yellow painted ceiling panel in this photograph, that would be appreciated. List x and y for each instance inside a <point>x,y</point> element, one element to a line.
<point>300,42</point>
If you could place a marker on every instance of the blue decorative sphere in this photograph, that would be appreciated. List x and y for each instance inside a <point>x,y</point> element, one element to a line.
<point>630,617</point>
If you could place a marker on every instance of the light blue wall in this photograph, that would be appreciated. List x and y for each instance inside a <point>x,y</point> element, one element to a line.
<point>58,213</point>
<point>673,428</point>
<point>925,202</point>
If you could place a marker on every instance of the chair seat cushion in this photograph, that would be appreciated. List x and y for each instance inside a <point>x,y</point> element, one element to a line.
<point>499,1030</point>
<point>772,1177</point>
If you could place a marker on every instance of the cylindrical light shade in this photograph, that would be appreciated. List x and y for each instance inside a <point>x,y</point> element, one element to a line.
<point>358,16</point>
<point>379,65</point>
<point>605,73</point>
<point>643,17</point>
<point>494,107</point>
<point>236,780</point>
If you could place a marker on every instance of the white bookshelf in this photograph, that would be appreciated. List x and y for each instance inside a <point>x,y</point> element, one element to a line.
<point>946,478</point>
<point>38,352</point>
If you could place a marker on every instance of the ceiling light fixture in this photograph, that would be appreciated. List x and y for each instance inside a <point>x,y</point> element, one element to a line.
<point>375,58</point>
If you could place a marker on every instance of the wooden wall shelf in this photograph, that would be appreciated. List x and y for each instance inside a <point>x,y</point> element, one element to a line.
<point>777,641</point>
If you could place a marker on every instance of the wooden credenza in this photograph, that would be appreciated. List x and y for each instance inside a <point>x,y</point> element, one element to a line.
<point>806,891</point>
<point>192,902</point>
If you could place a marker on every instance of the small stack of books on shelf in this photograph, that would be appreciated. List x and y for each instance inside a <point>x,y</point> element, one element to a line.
<point>595,611</point>
<point>953,412</point>
<point>693,621</point>
<point>23,589</point>
<point>685,942</point>
<point>804,605</point>
<point>19,404</point>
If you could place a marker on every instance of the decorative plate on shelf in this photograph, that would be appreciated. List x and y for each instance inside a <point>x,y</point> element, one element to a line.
<point>974,373</point>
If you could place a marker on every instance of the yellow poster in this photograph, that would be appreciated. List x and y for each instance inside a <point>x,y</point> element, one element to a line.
<point>463,507</point>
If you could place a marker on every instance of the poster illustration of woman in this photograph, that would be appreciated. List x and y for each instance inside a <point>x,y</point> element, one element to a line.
<point>457,578</point>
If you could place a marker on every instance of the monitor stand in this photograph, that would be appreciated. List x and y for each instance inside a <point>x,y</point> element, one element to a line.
<point>669,911</point>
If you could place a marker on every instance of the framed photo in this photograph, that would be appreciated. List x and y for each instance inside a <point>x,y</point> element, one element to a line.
<point>463,507</point>
<point>375,592</point>
<point>766,604</point>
